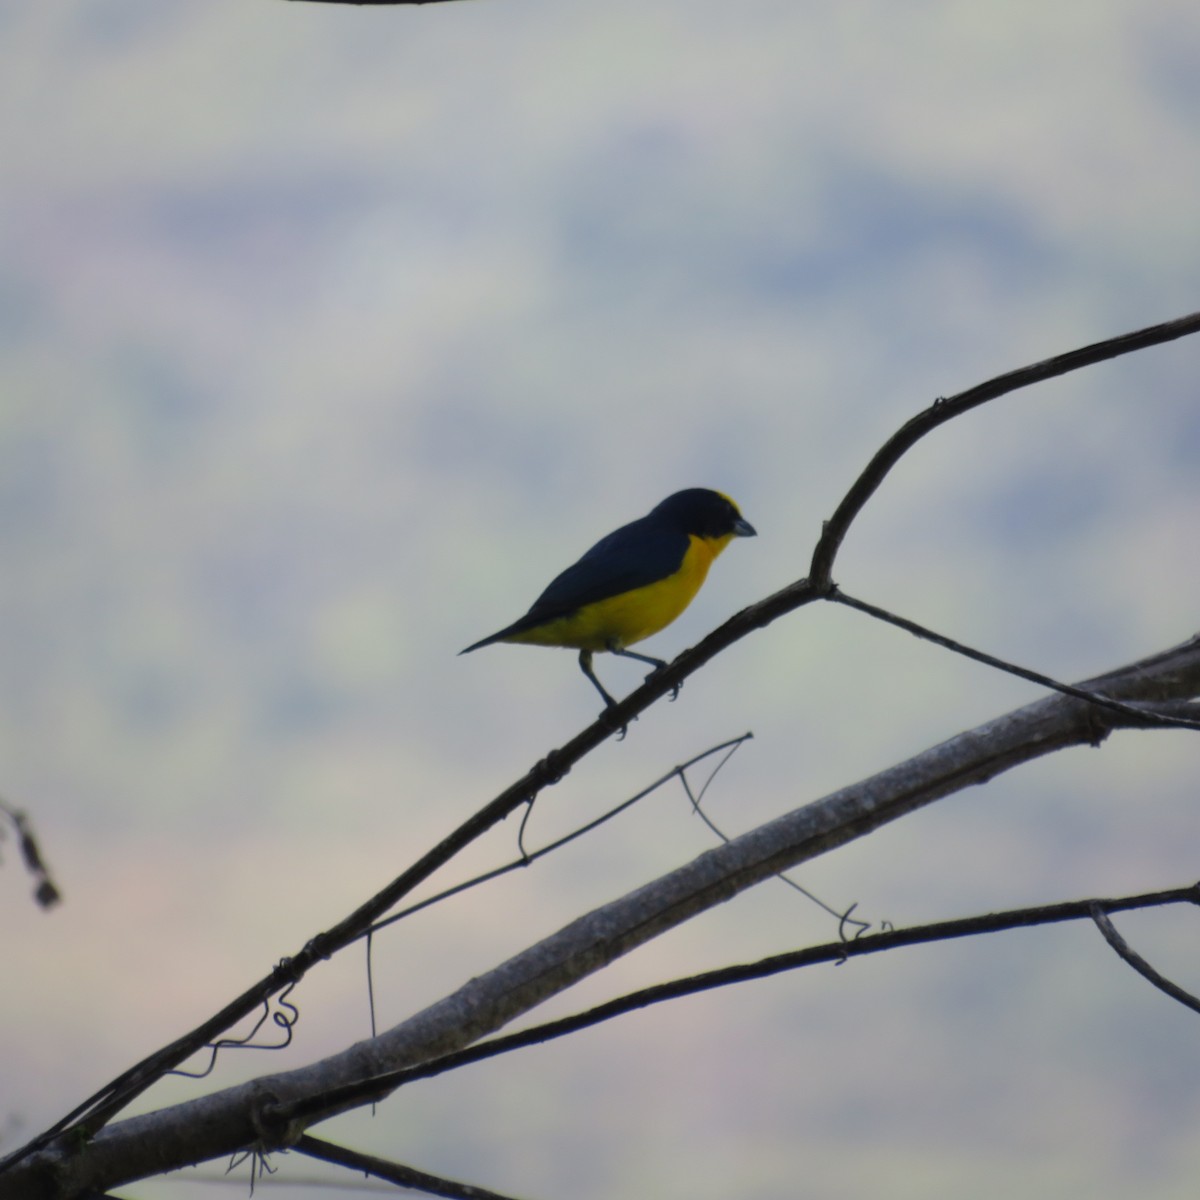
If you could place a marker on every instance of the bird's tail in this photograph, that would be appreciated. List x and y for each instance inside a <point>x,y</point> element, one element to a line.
<point>487,641</point>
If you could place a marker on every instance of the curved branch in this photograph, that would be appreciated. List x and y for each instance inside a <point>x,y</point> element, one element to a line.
<point>1137,962</point>
<point>677,772</point>
<point>946,409</point>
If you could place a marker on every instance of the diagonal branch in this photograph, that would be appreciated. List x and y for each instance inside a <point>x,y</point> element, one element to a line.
<point>241,1116</point>
<point>1142,716</point>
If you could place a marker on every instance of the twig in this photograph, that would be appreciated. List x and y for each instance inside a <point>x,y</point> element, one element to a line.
<point>45,891</point>
<point>526,859</point>
<point>1140,965</point>
<point>409,1177</point>
<point>1143,716</point>
<point>843,918</point>
<point>284,1018</point>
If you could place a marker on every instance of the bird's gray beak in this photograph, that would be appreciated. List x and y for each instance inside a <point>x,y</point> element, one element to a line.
<point>743,528</point>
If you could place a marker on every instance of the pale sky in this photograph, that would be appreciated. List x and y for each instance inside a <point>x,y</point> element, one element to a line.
<point>328,335</point>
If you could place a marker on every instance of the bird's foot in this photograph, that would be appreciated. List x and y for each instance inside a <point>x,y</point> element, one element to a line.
<point>620,730</point>
<point>658,671</point>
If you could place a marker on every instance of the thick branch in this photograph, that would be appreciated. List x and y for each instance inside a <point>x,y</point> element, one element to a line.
<point>221,1123</point>
<point>376,1089</point>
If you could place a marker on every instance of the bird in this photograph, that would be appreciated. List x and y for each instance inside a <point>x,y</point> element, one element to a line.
<point>632,583</point>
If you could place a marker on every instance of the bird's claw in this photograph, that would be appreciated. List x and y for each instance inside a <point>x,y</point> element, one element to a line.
<point>622,729</point>
<point>674,687</point>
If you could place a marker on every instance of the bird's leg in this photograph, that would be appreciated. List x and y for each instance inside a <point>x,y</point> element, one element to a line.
<point>657,663</point>
<point>585,665</point>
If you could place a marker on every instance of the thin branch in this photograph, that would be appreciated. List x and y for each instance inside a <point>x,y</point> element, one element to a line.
<point>527,859</point>
<point>946,409</point>
<point>368,1090</point>
<point>1139,964</point>
<point>532,857</point>
<point>45,891</point>
<point>1138,716</point>
<point>381,1168</point>
<point>844,918</point>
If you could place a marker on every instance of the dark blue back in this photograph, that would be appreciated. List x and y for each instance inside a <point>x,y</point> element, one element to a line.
<point>637,554</point>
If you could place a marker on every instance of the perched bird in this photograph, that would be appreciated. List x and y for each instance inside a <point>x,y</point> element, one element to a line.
<point>632,583</point>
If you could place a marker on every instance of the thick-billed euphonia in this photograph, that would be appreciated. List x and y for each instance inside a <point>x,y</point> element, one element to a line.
<point>632,583</point>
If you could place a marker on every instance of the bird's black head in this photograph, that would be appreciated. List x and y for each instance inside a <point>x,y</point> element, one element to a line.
<point>705,513</point>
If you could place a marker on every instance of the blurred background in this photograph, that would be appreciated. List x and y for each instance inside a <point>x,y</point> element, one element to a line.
<point>329,334</point>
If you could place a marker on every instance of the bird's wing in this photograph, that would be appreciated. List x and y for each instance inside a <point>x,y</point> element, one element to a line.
<point>633,556</point>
